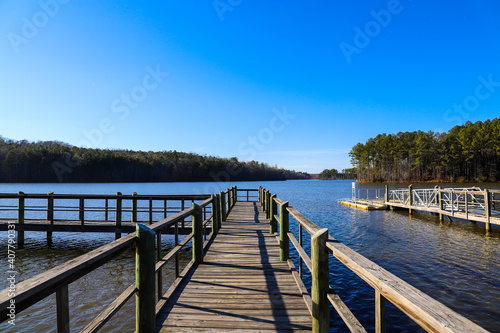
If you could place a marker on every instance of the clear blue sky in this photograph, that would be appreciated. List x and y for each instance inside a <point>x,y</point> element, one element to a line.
<point>290,83</point>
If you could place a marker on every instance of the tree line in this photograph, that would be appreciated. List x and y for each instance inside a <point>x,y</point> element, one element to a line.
<point>349,173</point>
<point>52,161</point>
<point>466,153</point>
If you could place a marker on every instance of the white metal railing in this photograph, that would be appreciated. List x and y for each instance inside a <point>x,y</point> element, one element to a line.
<point>426,197</point>
<point>400,195</point>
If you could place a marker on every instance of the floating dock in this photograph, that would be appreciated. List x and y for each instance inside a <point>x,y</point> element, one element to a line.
<point>364,204</point>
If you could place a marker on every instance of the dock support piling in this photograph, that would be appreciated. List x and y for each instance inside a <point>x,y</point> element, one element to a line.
<point>20,220</point>
<point>197,225</point>
<point>82,211</point>
<point>50,217</point>
<point>386,197</point>
<point>145,301</point>
<point>134,208</point>
<point>284,241</point>
<point>410,197</point>
<point>118,214</point>
<point>320,282</point>
<point>441,206</point>
<point>487,210</point>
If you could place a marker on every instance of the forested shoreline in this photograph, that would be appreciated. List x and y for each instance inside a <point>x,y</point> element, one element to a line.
<point>334,174</point>
<point>466,153</point>
<point>50,161</point>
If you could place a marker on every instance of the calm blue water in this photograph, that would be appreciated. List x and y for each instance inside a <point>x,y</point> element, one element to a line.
<point>452,262</point>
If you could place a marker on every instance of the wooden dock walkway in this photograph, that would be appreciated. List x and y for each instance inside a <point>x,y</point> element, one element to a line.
<point>240,278</point>
<point>241,284</point>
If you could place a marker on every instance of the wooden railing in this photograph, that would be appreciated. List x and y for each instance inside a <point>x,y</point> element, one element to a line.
<point>149,265</point>
<point>422,309</point>
<point>65,212</point>
<point>248,194</point>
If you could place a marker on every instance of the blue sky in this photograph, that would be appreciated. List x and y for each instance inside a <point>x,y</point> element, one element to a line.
<point>293,84</point>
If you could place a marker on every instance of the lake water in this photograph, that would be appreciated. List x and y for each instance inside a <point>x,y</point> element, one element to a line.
<point>454,263</point>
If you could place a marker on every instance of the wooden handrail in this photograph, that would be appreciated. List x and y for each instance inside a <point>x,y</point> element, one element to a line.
<point>424,310</point>
<point>31,291</point>
<point>57,279</point>
<point>421,308</point>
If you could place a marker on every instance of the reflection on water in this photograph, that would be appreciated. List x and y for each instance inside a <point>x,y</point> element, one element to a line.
<point>453,262</point>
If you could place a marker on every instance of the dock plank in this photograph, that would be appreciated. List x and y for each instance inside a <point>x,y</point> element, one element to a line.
<point>241,285</point>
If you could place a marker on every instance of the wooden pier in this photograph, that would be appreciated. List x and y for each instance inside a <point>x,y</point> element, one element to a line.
<point>471,204</point>
<point>241,277</point>
<point>241,284</point>
<point>116,214</point>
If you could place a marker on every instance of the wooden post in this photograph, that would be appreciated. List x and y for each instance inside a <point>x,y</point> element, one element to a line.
<point>20,221</point>
<point>182,208</point>
<point>452,204</point>
<point>379,313</point>
<point>159,280</point>
<point>466,206</point>
<point>284,241</point>
<point>487,210</point>
<point>145,262</point>
<point>134,208</point>
<point>50,217</point>
<point>273,223</point>
<point>106,208</point>
<point>118,216</point>
<point>219,215</point>
<point>82,211</point>
<point>150,210</point>
<point>165,208</point>
<point>320,282</point>
<point>301,243</point>
<point>231,190</point>
<point>197,225</point>
<point>222,206</point>
<point>259,193</point>
<point>262,198</point>
<point>386,198</point>
<point>62,308</point>
<point>441,206</point>
<point>215,220</point>
<point>176,242</point>
<point>235,194</point>
<point>268,204</point>
<point>410,197</point>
